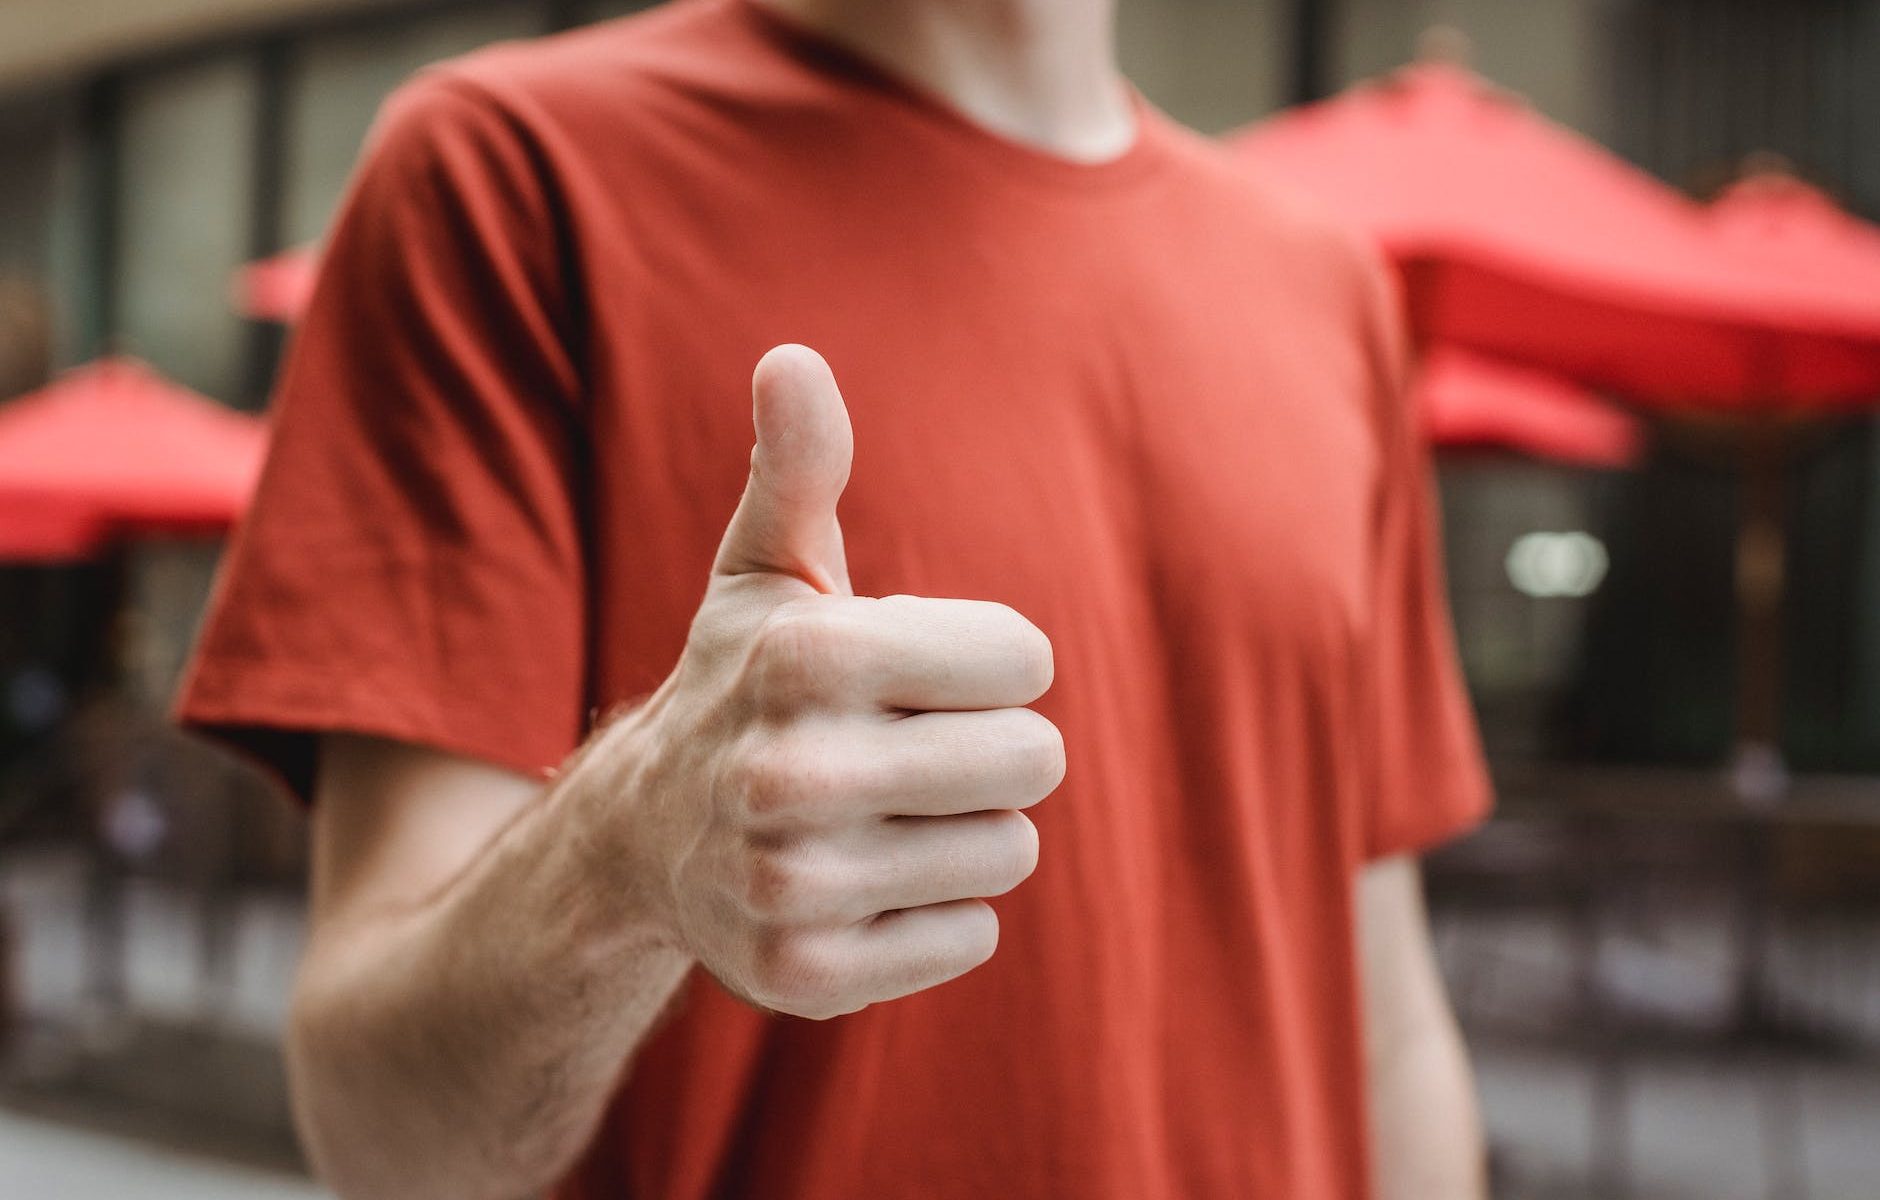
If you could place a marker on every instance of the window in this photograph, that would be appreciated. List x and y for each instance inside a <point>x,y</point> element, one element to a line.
<point>184,199</point>
<point>341,79</point>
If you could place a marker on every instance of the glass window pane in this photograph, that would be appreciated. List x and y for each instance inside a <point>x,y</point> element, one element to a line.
<point>340,82</point>
<point>69,249</point>
<point>185,194</point>
<point>33,133</point>
<point>1211,64</point>
<point>29,132</point>
<point>1554,52</point>
<point>602,10</point>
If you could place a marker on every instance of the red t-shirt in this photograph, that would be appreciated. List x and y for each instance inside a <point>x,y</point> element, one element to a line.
<point>1150,403</point>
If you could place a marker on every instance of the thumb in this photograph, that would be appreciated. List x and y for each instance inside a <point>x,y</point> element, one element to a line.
<point>786,522</point>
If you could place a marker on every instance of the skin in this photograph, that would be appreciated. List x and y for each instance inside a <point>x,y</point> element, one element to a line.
<point>812,807</point>
<point>1038,71</point>
<point>1426,1134</point>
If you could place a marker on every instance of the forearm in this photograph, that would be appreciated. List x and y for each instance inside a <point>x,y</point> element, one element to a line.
<point>1426,1133</point>
<point>466,1047</point>
<point>1426,1129</point>
<point>814,805</point>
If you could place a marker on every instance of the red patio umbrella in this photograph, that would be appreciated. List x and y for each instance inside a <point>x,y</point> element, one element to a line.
<point>1771,218</point>
<point>113,450</point>
<point>1521,239</point>
<point>1784,226</point>
<point>278,288</point>
<point>1466,400</point>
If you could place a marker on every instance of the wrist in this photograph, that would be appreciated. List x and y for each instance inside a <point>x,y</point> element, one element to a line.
<point>598,807</point>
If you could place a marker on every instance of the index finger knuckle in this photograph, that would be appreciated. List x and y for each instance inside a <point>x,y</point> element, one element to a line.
<point>799,654</point>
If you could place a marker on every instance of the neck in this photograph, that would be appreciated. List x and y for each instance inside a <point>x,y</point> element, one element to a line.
<point>1038,71</point>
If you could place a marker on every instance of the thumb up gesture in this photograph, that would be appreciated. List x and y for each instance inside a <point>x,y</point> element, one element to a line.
<point>816,801</point>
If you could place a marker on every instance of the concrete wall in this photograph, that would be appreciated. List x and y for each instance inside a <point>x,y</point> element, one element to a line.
<point>44,38</point>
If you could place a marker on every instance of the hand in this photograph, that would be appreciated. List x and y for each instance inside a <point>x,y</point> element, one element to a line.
<point>816,800</point>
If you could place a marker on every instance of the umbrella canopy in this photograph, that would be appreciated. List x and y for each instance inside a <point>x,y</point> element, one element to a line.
<point>1466,400</point>
<point>1777,221</point>
<point>112,450</point>
<point>1523,240</point>
<point>278,288</point>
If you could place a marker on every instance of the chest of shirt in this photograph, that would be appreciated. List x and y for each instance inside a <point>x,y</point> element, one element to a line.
<point>1105,450</point>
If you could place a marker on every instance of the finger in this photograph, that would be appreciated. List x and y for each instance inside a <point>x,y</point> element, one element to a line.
<point>786,521</point>
<point>916,948</point>
<point>929,764</point>
<point>908,653</point>
<point>897,954</point>
<point>838,879</point>
<point>911,862</point>
<point>839,970</point>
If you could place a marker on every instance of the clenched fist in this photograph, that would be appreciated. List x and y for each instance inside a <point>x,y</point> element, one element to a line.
<point>814,803</point>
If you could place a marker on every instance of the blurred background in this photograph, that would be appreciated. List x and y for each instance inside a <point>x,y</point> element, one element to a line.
<point>1665,948</point>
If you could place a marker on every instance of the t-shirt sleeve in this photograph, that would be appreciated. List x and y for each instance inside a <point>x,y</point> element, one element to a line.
<point>412,564</point>
<point>1427,781</point>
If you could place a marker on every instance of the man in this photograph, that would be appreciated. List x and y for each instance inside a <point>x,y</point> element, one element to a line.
<point>609,794</point>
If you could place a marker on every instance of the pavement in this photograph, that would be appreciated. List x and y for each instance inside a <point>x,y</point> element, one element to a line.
<point>41,1158</point>
<point>185,1098</point>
